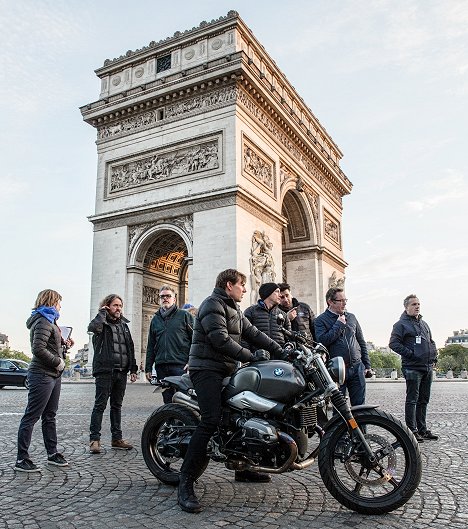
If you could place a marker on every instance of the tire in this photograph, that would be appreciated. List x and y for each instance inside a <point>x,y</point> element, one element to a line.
<point>164,458</point>
<point>1,387</point>
<point>353,481</point>
<point>26,383</point>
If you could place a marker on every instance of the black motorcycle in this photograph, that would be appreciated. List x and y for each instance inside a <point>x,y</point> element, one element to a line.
<point>368,460</point>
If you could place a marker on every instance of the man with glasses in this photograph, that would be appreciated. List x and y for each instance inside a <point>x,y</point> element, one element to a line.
<point>411,338</point>
<point>169,339</point>
<point>340,332</point>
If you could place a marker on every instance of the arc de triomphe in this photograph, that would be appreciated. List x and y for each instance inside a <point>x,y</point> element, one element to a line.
<point>208,159</point>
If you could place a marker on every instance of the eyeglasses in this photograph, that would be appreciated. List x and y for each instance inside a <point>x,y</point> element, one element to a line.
<point>340,300</point>
<point>162,296</point>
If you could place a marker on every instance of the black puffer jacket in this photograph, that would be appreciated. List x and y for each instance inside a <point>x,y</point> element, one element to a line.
<point>267,321</point>
<point>46,345</point>
<point>103,345</point>
<point>418,356</point>
<point>219,327</point>
<point>304,321</point>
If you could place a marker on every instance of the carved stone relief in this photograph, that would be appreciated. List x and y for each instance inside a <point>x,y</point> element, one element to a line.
<point>331,228</point>
<point>164,164</point>
<point>150,295</point>
<point>177,110</point>
<point>336,282</point>
<point>262,266</point>
<point>257,165</point>
<point>305,161</point>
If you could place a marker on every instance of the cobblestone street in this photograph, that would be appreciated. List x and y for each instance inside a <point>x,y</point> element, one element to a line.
<point>116,490</point>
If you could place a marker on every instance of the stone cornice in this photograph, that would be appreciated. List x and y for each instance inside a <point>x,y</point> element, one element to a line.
<point>324,253</point>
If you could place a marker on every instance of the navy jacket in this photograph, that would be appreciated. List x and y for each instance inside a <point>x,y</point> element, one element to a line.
<point>419,356</point>
<point>342,339</point>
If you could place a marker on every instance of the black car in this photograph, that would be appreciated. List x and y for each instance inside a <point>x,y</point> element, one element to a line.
<point>13,372</point>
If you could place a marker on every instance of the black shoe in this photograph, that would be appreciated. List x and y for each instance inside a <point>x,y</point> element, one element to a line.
<point>57,460</point>
<point>419,437</point>
<point>186,495</point>
<point>26,465</point>
<point>247,476</point>
<point>429,435</point>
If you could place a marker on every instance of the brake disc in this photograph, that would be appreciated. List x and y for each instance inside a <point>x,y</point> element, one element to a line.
<point>387,473</point>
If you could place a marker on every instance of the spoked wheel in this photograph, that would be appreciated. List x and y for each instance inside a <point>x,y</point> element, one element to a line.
<point>362,485</point>
<point>164,441</point>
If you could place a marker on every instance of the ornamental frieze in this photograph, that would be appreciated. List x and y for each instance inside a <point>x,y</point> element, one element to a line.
<point>162,165</point>
<point>257,166</point>
<point>150,295</point>
<point>305,161</point>
<point>331,229</point>
<point>171,112</point>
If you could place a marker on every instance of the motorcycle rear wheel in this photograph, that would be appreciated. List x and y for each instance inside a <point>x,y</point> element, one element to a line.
<point>359,485</point>
<point>161,439</point>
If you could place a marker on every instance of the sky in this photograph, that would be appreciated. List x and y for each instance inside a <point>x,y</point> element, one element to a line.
<point>387,79</point>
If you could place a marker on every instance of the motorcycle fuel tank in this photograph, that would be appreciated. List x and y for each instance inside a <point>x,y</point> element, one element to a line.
<point>275,380</point>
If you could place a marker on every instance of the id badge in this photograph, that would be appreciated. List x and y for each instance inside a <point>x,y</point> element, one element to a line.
<point>418,339</point>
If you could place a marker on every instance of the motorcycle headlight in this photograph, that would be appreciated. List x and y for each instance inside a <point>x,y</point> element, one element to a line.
<point>337,369</point>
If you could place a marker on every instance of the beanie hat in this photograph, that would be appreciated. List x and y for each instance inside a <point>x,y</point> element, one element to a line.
<point>187,306</point>
<point>266,289</point>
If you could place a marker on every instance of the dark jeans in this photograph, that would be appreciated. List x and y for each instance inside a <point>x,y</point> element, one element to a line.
<point>43,400</point>
<point>418,393</point>
<point>208,385</point>
<point>113,386</point>
<point>355,383</point>
<point>168,370</point>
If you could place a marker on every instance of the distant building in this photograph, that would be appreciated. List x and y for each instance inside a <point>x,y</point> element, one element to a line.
<point>4,344</point>
<point>82,355</point>
<point>459,337</point>
<point>372,347</point>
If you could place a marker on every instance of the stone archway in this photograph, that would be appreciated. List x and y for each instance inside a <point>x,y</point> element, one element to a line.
<point>165,263</point>
<point>300,249</point>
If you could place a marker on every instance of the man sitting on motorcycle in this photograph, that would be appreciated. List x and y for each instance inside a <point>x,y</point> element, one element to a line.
<point>215,351</point>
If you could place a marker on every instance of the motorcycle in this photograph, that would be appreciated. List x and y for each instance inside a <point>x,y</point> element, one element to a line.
<point>368,460</point>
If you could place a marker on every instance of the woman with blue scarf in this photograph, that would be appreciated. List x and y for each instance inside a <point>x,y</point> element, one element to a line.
<point>44,378</point>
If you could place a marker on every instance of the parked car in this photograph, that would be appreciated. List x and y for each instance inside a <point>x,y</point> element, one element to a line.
<point>13,372</point>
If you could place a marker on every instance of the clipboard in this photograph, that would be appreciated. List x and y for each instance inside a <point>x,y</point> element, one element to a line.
<point>66,332</point>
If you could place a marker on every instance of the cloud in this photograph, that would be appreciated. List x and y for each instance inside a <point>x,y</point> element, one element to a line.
<point>12,187</point>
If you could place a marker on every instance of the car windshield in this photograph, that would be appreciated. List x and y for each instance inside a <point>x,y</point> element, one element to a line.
<point>20,363</point>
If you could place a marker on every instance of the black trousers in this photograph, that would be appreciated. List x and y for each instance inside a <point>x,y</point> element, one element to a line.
<point>43,400</point>
<point>208,385</point>
<point>108,386</point>
<point>168,370</point>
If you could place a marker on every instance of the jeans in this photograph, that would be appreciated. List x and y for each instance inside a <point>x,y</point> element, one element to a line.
<point>43,400</point>
<point>208,385</point>
<point>113,386</point>
<point>168,370</point>
<point>355,383</point>
<point>418,393</point>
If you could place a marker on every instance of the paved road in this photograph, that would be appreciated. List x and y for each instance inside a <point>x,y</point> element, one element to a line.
<point>115,489</point>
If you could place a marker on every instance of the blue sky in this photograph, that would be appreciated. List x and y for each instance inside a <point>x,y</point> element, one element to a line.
<point>387,79</point>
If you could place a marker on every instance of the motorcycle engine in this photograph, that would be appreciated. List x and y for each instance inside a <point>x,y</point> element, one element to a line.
<point>259,430</point>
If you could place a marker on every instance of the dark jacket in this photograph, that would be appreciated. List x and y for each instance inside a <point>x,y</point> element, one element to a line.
<point>46,345</point>
<point>418,356</point>
<point>342,339</point>
<point>219,327</point>
<point>304,321</point>
<point>266,321</point>
<point>103,345</point>
<point>169,338</point>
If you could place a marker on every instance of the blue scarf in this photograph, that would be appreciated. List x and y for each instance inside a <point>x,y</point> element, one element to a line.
<point>50,313</point>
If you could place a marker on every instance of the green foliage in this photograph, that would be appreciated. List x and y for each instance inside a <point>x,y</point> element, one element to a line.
<point>454,357</point>
<point>10,353</point>
<point>380,359</point>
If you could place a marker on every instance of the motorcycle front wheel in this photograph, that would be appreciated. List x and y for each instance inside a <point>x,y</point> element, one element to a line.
<point>371,487</point>
<point>164,441</point>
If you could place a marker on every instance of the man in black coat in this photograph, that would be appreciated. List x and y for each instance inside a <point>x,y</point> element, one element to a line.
<point>300,314</point>
<point>114,357</point>
<point>411,338</point>
<point>264,314</point>
<point>215,352</point>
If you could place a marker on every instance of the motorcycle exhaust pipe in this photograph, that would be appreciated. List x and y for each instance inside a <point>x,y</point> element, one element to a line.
<point>285,438</point>
<point>185,400</point>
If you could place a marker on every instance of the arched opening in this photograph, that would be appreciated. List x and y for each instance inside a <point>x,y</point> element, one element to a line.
<point>164,263</point>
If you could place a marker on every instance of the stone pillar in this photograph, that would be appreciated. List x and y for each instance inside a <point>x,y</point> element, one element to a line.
<point>132,309</point>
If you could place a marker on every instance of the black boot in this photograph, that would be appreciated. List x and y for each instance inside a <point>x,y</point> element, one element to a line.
<point>186,496</point>
<point>252,477</point>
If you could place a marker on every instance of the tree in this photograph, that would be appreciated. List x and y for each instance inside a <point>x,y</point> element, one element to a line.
<point>10,353</point>
<point>454,357</point>
<point>381,360</point>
